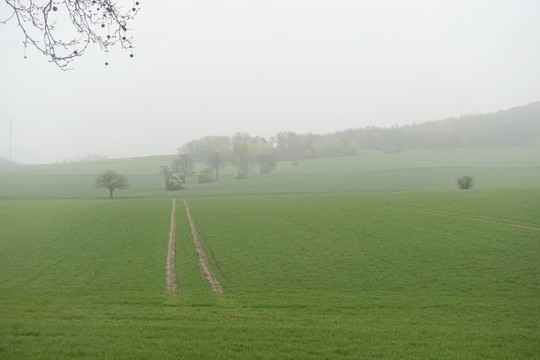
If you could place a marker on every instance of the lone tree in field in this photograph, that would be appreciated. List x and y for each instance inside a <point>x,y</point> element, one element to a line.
<point>465,182</point>
<point>63,29</point>
<point>111,180</point>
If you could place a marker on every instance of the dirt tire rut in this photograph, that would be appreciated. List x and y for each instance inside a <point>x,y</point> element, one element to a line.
<point>203,262</point>
<point>170,265</point>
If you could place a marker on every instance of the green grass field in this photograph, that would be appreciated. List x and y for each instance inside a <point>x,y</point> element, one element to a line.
<point>375,256</point>
<point>507,168</point>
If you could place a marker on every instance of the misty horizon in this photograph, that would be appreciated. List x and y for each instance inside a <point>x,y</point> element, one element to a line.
<point>215,69</point>
<point>97,156</point>
<point>512,127</point>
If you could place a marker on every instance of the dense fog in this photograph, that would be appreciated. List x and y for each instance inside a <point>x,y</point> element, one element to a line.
<point>214,68</point>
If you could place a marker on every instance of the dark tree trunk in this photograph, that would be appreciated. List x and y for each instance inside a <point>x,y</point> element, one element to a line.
<point>111,191</point>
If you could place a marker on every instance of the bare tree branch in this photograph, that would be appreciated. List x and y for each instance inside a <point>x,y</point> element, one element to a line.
<point>63,29</point>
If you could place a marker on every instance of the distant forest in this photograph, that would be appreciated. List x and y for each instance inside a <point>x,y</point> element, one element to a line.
<point>519,126</point>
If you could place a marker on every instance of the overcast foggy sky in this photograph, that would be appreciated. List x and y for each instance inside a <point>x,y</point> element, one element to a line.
<point>214,67</point>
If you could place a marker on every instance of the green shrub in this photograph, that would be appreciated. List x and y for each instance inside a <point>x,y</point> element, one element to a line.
<point>465,182</point>
<point>205,176</point>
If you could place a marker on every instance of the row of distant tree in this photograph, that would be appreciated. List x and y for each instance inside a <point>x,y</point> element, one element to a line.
<point>90,157</point>
<point>217,152</point>
<point>251,153</point>
<point>519,126</point>
<point>243,148</point>
<point>515,127</point>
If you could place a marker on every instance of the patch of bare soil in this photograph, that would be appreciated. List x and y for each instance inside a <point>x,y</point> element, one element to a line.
<point>203,262</point>
<point>482,218</point>
<point>170,264</point>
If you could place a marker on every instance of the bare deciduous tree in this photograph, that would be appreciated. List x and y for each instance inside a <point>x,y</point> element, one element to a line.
<point>111,180</point>
<point>63,29</point>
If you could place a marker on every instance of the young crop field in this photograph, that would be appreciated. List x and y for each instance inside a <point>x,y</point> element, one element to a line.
<point>353,272</point>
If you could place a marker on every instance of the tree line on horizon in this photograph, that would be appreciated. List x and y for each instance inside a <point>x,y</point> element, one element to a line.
<point>514,127</point>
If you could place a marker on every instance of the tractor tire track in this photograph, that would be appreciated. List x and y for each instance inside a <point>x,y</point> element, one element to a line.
<point>481,218</point>
<point>203,262</point>
<point>170,264</point>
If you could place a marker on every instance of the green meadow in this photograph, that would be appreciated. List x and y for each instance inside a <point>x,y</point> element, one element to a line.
<point>376,256</point>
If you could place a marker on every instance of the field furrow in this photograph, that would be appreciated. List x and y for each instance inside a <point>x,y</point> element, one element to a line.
<point>203,262</point>
<point>170,265</point>
<point>474,217</point>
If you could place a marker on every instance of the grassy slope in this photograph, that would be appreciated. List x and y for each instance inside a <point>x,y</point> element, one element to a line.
<point>77,179</point>
<point>415,170</point>
<point>352,275</point>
